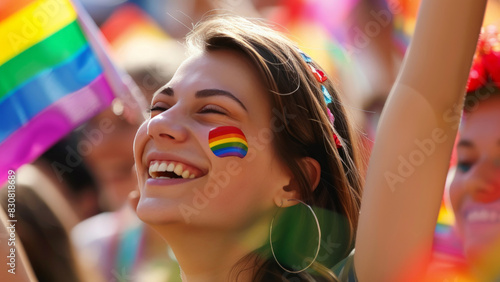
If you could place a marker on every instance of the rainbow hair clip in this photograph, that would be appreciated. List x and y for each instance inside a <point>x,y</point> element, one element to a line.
<point>227,141</point>
<point>321,78</point>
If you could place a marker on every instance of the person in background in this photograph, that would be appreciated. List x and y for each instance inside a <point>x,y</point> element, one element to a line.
<point>117,242</point>
<point>475,188</point>
<point>22,270</point>
<point>65,167</point>
<point>52,195</point>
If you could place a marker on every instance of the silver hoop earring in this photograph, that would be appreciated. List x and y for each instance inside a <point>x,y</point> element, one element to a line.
<point>319,240</point>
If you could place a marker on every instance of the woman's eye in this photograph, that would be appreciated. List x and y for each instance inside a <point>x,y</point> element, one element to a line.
<point>213,109</point>
<point>464,166</point>
<point>156,108</point>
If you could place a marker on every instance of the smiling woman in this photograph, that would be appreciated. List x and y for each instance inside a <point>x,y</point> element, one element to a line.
<point>289,207</point>
<point>475,189</point>
<point>292,156</point>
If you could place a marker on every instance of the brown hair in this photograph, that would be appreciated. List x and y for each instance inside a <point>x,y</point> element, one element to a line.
<point>294,91</point>
<point>45,237</point>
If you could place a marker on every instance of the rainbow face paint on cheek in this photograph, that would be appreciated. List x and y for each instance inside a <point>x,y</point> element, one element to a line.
<point>228,141</point>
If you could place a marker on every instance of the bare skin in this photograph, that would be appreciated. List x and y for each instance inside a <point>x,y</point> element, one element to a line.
<point>209,239</point>
<point>405,178</point>
<point>405,182</point>
<point>399,207</point>
<point>475,189</point>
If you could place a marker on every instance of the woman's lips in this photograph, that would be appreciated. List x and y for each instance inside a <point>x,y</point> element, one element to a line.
<point>476,212</point>
<point>167,181</point>
<point>480,223</point>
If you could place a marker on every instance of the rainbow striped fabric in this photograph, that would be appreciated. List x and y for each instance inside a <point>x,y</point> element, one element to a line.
<point>51,81</point>
<point>226,141</point>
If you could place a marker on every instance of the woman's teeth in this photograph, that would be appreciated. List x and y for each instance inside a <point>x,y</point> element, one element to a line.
<point>483,216</point>
<point>168,170</point>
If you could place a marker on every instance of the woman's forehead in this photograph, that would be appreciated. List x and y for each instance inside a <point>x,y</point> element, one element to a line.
<point>226,70</point>
<point>483,121</point>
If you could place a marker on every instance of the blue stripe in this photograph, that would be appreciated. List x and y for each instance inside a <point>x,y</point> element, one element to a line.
<point>46,88</point>
<point>230,150</point>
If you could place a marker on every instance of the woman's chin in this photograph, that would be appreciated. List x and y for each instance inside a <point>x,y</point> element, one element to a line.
<point>157,211</point>
<point>480,238</point>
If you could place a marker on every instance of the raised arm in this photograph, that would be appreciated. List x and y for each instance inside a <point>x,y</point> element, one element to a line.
<point>411,155</point>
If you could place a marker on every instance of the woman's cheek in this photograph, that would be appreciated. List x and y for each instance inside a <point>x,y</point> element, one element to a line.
<point>138,148</point>
<point>457,197</point>
<point>228,141</point>
<point>140,136</point>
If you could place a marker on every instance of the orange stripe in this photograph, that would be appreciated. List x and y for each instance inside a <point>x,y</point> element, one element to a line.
<point>217,138</point>
<point>32,24</point>
<point>9,7</point>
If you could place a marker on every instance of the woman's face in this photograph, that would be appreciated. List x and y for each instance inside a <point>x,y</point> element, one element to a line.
<point>111,160</point>
<point>475,190</point>
<point>210,89</point>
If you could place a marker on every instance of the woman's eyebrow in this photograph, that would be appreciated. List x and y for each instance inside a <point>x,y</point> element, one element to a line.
<point>166,91</point>
<point>218,92</point>
<point>169,91</point>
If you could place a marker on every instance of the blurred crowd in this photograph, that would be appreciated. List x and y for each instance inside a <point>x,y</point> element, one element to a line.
<point>78,198</point>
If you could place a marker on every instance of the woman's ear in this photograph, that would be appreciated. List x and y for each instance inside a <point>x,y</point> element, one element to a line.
<point>312,169</point>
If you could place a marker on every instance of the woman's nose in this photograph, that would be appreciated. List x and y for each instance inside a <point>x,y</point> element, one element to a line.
<point>482,183</point>
<point>167,126</point>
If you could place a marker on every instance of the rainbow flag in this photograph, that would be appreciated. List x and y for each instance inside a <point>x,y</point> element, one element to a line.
<point>51,80</point>
<point>226,141</point>
<point>129,22</point>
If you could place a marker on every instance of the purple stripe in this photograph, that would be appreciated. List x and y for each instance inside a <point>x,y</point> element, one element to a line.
<point>53,123</point>
<point>231,154</point>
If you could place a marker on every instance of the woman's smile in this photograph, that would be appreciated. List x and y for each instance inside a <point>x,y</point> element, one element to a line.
<point>475,190</point>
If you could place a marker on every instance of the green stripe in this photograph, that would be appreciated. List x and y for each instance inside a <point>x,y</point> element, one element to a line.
<point>227,145</point>
<point>44,55</point>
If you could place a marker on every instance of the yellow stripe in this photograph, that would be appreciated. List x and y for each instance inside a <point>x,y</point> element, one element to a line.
<point>32,24</point>
<point>227,140</point>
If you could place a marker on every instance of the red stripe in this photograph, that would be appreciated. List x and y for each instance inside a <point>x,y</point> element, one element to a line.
<point>223,130</point>
<point>10,7</point>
